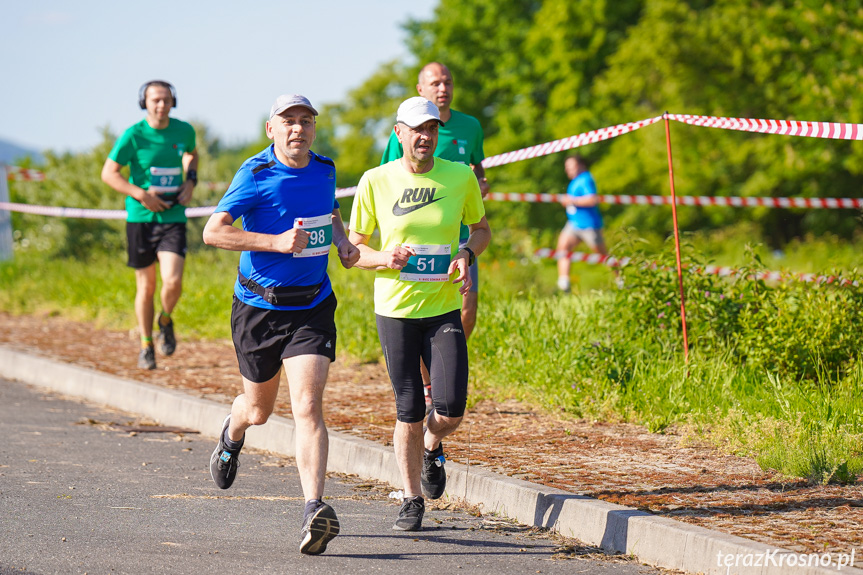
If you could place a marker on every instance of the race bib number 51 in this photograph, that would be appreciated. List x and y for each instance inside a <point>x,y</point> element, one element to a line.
<point>320,229</point>
<point>429,265</point>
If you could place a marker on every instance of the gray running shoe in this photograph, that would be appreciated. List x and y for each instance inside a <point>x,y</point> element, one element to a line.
<point>411,515</point>
<point>168,343</point>
<point>433,477</point>
<point>147,358</point>
<point>319,528</point>
<point>225,462</point>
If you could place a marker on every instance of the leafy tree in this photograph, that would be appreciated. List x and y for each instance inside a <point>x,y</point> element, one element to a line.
<point>738,58</point>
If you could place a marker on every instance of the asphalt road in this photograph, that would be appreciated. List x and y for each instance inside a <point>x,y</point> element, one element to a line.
<point>81,494</point>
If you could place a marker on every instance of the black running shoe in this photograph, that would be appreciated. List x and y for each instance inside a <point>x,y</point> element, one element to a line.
<point>433,476</point>
<point>168,343</point>
<point>225,462</point>
<point>411,515</point>
<point>147,358</point>
<point>319,528</point>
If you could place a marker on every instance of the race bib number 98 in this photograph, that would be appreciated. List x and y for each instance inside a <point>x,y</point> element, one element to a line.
<point>429,265</point>
<point>320,229</point>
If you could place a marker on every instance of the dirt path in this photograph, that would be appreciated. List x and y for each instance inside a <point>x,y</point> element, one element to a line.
<point>664,474</point>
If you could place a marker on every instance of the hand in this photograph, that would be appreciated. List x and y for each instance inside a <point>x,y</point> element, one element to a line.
<point>292,241</point>
<point>348,253</point>
<point>186,190</point>
<point>483,186</point>
<point>398,258</point>
<point>460,264</point>
<point>152,201</point>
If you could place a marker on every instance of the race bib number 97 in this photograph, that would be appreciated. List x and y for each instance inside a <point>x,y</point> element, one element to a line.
<point>320,229</point>
<point>165,180</point>
<point>429,265</point>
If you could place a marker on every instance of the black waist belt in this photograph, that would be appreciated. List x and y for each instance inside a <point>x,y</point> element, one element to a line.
<point>287,296</point>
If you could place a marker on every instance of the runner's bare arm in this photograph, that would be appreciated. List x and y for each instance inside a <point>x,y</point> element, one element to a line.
<point>190,162</point>
<point>372,259</point>
<point>221,233</point>
<point>348,252</point>
<point>112,175</point>
<point>479,172</point>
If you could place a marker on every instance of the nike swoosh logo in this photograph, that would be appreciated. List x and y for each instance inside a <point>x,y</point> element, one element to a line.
<point>400,211</point>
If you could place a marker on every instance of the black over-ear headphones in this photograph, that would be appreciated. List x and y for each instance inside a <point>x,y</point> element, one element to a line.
<point>142,93</point>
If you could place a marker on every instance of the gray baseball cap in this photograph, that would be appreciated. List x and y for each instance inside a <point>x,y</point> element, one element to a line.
<point>416,111</point>
<point>286,101</point>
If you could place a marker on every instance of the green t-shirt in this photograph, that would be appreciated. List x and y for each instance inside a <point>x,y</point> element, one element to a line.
<point>459,140</point>
<point>423,211</point>
<point>155,158</point>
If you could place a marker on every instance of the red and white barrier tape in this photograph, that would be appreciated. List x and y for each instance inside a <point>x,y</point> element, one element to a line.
<point>783,127</point>
<point>731,201</point>
<point>64,212</point>
<point>591,258</point>
<point>832,130</point>
<point>723,271</point>
<point>728,201</point>
<point>566,143</point>
<point>20,174</point>
<point>92,214</point>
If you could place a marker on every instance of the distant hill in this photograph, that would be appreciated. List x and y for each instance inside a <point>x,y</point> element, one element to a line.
<point>10,153</point>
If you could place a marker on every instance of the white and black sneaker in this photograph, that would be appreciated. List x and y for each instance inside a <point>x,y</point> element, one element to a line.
<point>319,528</point>
<point>433,477</point>
<point>224,462</point>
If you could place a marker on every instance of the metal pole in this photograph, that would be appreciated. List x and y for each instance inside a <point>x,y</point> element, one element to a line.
<point>5,217</point>
<point>676,239</point>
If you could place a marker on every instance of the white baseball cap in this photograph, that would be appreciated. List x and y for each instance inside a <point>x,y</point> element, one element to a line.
<point>286,101</point>
<point>417,111</point>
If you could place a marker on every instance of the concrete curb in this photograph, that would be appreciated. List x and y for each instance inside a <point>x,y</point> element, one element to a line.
<point>654,540</point>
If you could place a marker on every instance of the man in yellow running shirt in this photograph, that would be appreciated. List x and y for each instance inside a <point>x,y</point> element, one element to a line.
<point>419,202</point>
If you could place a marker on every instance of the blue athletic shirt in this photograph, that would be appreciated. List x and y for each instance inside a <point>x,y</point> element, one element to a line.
<point>270,196</point>
<point>583,218</point>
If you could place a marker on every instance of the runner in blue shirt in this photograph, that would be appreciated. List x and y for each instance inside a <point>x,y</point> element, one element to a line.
<point>583,220</point>
<point>284,306</point>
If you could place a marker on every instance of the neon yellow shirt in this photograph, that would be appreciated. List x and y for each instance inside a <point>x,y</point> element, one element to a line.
<point>423,211</point>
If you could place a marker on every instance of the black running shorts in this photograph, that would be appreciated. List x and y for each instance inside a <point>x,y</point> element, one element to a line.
<point>145,240</point>
<point>264,337</point>
<point>441,344</point>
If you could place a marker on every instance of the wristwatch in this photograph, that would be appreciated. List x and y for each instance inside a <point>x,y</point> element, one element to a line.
<point>471,257</point>
<point>192,175</point>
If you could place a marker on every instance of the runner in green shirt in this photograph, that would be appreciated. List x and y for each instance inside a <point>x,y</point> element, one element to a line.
<point>418,202</point>
<point>159,151</point>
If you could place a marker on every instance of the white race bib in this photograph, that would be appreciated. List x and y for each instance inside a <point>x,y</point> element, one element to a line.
<point>429,265</point>
<point>320,229</point>
<point>165,180</point>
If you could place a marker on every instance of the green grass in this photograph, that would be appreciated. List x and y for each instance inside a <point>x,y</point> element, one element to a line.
<point>773,371</point>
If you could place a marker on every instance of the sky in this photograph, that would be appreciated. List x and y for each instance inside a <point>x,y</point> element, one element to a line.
<point>70,69</point>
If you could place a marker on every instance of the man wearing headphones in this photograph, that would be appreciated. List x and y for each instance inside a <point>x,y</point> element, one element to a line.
<point>163,161</point>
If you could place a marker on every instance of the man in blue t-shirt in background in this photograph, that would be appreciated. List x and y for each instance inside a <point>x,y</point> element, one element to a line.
<point>283,311</point>
<point>583,220</point>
